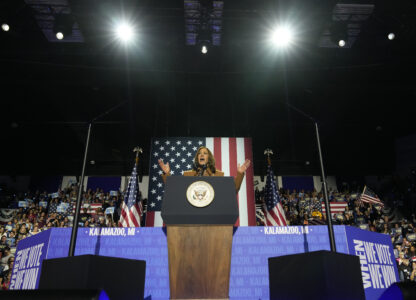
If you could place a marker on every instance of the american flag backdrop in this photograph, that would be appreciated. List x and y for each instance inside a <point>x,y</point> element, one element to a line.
<point>273,211</point>
<point>180,152</point>
<point>131,206</point>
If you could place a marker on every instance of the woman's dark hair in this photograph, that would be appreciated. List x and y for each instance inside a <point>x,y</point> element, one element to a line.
<point>210,163</point>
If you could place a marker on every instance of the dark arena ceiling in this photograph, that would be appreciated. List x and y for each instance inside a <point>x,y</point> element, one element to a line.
<point>362,94</point>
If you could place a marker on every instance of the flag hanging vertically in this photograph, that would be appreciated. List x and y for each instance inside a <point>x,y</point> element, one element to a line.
<point>131,206</point>
<point>180,152</point>
<point>273,211</point>
<point>369,196</point>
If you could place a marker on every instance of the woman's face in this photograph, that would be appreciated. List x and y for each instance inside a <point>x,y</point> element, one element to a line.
<point>203,156</point>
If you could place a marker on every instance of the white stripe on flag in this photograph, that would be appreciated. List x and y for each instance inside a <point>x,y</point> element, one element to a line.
<point>209,143</point>
<point>242,195</point>
<point>158,219</point>
<point>225,156</point>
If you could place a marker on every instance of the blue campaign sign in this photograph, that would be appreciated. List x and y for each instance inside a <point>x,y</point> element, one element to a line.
<point>62,207</point>
<point>43,204</point>
<point>29,255</point>
<point>109,210</point>
<point>378,265</point>
<point>22,204</point>
<point>252,246</point>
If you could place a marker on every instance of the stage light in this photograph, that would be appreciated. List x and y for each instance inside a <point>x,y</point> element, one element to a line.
<point>204,49</point>
<point>59,35</point>
<point>5,27</point>
<point>391,36</point>
<point>341,43</point>
<point>125,32</point>
<point>281,36</point>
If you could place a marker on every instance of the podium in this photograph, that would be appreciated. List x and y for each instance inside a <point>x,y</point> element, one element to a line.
<point>199,238</point>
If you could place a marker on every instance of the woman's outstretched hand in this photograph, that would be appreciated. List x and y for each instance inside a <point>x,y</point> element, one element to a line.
<point>244,166</point>
<point>165,167</point>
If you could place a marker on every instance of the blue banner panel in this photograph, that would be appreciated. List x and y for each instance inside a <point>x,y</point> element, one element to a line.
<point>252,246</point>
<point>106,183</point>
<point>298,183</point>
<point>28,261</point>
<point>378,265</point>
<point>146,243</point>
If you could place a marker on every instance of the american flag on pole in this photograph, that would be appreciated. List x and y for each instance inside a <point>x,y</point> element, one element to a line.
<point>180,152</point>
<point>275,215</point>
<point>131,206</point>
<point>369,196</point>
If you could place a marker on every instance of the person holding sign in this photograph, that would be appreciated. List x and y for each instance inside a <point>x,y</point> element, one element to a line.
<point>204,165</point>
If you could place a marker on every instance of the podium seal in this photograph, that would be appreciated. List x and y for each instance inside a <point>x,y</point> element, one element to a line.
<point>200,193</point>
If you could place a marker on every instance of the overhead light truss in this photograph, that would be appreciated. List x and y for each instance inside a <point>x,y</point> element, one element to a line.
<point>46,12</point>
<point>203,22</point>
<point>352,16</point>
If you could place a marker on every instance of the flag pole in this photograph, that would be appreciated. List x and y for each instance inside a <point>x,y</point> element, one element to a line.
<point>137,150</point>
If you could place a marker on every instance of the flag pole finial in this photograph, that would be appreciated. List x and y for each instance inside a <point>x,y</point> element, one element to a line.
<point>268,152</point>
<point>137,150</point>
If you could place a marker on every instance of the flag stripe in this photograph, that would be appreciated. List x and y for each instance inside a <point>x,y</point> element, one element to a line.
<point>124,219</point>
<point>242,194</point>
<point>281,213</point>
<point>217,153</point>
<point>209,143</point>
<point>158,221</point>
<point>150,218</point>
<point>225,156</point>
<point>249,183</point>
<point>134,216</point>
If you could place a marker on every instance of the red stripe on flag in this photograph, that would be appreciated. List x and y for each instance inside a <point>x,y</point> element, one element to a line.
<point>124,217</point>
<point>133,219</point>
<point>251,205</point>
<point>150,219</point>
<point>233,156</point>
<point>217,152</point>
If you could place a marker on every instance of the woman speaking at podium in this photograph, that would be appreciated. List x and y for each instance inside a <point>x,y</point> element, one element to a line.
<point>204,165</point>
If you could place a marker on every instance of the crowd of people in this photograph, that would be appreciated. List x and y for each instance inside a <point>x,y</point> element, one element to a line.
<point>305,208</point>
<point>41,211</point>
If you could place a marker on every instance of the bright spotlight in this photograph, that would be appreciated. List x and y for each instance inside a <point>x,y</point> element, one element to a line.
<point>391,36</point>
<point>5,27</point>
<point>282,36</point>
<point>59,35</point>
<point>125,32</point>
<point>204,49</point>
<point>341,43</point>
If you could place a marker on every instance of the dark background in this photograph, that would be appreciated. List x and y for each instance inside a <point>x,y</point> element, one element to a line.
<point>362,96</point>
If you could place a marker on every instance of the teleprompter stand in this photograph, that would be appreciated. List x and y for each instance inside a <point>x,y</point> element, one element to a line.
<point>199,238</point>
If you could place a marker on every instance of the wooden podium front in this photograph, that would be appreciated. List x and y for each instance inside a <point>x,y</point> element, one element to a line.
<point>199,239</point>
<point>199,261</point>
